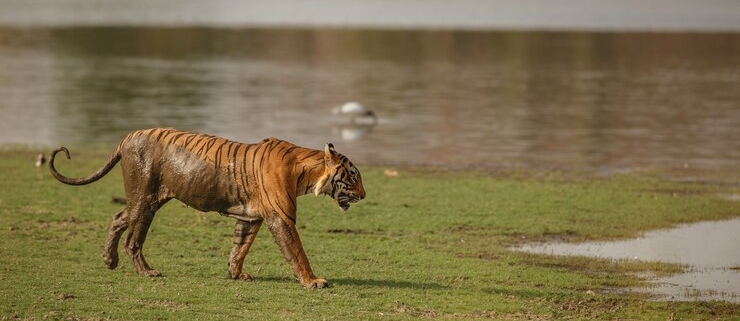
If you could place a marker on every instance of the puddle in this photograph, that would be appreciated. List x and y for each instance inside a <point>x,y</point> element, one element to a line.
<point>711,249</point>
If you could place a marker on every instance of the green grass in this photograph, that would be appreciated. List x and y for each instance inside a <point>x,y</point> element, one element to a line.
<point>429,244</point>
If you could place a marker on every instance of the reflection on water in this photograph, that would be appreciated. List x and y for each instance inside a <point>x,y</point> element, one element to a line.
<point>451,98</point>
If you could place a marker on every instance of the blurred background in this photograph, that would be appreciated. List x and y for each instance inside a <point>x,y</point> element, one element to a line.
<point>595,84</point>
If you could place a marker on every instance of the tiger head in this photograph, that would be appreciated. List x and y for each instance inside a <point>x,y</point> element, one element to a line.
<point>343,182</point>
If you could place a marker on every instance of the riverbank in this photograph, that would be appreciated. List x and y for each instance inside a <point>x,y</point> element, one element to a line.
<point>429,243</point>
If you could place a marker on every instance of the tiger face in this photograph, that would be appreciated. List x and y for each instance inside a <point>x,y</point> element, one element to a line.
<point>345,184</point>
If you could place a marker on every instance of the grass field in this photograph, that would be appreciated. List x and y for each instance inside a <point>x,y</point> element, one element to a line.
<point>426,244</point>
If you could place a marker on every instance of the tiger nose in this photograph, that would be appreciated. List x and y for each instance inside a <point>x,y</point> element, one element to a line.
<point>361,194</point>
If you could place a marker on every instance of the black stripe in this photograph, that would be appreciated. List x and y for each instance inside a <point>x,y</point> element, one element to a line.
<point>261,166</point>
<point>151,132</point>
<point>217,158</point>
<point>300,177</point>
<point>161,133</point>
<point>174,138</point>
<point>311,154</point>
<point>188,140</point>
<point>277,204</point>
<point>245,181</point>
<point>232,167</point>
<point>288,152</point>
<point>254,161</point>
<point>211,142</point>
<point>207,145</point>
<point>291,198</point>
<point>198,140</point>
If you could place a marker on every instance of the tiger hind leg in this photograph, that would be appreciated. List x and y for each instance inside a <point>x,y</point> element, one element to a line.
<point>140,215</point>
<point>244,234</point>
<point>117,227</point>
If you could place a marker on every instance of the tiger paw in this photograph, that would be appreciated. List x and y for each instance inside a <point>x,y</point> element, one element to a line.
<point>316,284</point>
<point>150,273</point>
<point>242,276</point>
<point>111,261</point>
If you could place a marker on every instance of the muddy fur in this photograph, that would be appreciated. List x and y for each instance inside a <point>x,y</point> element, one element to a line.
<point>252,183</point>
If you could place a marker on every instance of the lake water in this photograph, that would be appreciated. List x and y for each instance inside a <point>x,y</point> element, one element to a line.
<point>532,99</point>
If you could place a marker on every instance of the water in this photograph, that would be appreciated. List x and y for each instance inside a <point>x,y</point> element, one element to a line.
<point>711,249</point>
<point>445,97</point>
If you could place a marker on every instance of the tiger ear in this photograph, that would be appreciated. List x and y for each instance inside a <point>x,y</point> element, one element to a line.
<point>330,155</point>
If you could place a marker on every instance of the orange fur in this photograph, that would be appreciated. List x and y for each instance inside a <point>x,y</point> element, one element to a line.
<point>253,183</point>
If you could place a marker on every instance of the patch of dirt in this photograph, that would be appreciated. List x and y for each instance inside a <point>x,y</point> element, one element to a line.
<point>401,308</point>
<point>65,296</point>
<point>679,192</point>
<point>593,308</point>
<point>500,316</point>
<point>353,231</point>
<point>418,312</point>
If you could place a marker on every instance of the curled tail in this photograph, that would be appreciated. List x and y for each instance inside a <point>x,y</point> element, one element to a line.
<point>84,180</point>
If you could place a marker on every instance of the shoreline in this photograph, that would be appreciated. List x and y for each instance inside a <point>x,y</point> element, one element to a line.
<point>720,177</point>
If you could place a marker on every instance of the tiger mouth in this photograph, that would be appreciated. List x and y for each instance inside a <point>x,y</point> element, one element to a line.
<point>343,205</point>
<point>344,201</point>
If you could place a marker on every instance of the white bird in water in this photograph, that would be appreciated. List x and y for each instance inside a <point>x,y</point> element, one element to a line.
<point>357,112</point>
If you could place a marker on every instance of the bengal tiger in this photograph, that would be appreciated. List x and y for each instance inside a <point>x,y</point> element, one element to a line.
<point>252,183</point>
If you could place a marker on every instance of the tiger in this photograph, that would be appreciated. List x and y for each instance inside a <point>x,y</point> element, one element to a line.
<point>251,183</point>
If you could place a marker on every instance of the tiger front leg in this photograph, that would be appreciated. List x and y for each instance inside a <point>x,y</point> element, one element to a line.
<point>286,236</point>
<point>244,234</point>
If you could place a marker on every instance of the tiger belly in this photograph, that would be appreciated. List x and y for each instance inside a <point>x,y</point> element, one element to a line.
<point>242,213</point>
<point>199,184</point>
